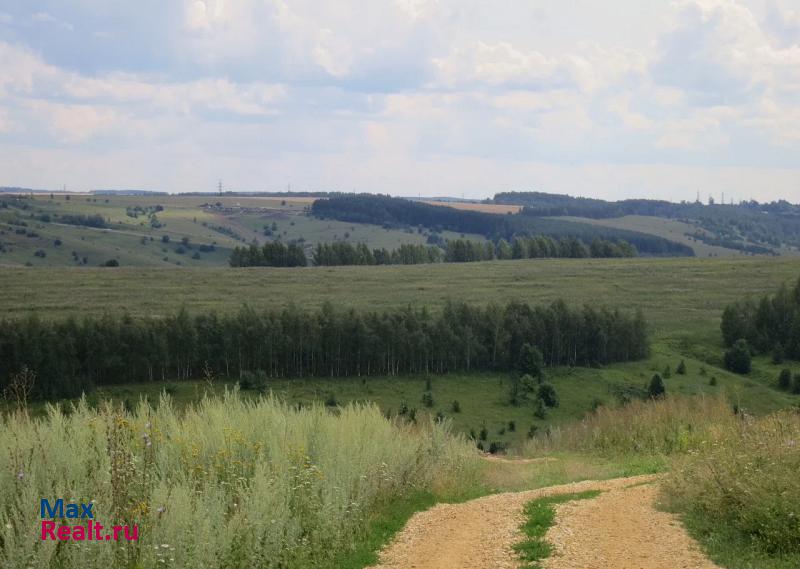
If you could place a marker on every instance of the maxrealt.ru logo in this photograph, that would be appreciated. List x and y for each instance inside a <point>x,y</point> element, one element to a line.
<point>88,529</point>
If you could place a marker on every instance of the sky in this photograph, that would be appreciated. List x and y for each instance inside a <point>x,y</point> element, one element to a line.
<point>613,99</point>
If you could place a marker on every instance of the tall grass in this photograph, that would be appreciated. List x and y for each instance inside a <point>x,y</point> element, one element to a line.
<point>655,427</point>
<point>228,483</point>
<point>742,483</point>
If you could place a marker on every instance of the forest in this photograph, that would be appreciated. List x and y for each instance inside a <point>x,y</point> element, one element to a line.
<point>772,324</point>
<point>72,355</point>
<point>736,226</point>
<point>403,213</point>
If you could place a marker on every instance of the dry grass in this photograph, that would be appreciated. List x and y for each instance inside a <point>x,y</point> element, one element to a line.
<point>663,427</point>
<point>484,207</point>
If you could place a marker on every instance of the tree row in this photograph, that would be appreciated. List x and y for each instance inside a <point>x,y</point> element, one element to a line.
<point>276,254</point>
<point>72,355</point>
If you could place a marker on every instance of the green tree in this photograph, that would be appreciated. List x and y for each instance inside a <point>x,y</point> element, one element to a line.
<point>681,369</point>
<point>737,357</point>
<point>547,394</point>
<point>656,388</point>
<point>531,361</point>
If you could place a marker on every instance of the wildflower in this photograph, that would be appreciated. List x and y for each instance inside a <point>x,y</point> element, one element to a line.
<point>161,509</point>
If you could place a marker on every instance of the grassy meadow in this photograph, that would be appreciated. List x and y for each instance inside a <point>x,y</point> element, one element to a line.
<point>677,295</point>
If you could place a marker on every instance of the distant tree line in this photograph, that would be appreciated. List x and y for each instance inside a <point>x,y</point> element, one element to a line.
<point>771,324</point>
<point>276,254</point>
<point>95,220</point>
<point>271,254</point>
<point>742,224</point>
<point>403,213</point>
<point>71,355</point>
<point>344,253</point>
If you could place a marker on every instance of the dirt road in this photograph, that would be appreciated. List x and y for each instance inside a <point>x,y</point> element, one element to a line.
<point>620,529</point>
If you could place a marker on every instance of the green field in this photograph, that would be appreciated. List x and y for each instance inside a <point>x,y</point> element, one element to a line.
<point>676,294</point>
<point>682,299</point>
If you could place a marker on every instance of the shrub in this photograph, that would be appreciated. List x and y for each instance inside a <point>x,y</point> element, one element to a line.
<point>456,407</point>
<point>547,394</point>
<point>681,369</point>
<point>737,357</point>
<point>254,381</point>
<point>111,263</point>
<point>427,399</point>
<point>512,426</point>
<point>656,388</point>
<point>484,433</point>
<point>539,409</point>
<point>713,381</point>
<point>796,384</point>
<point>785,379</point>
<point>667,373</point>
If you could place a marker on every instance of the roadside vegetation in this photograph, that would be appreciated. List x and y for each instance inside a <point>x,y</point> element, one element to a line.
<point>226,483</point>
<point>731,476</point>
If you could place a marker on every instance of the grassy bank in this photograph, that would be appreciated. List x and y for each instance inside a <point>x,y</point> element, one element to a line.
<point>229,483</point>
<point>731,476</point>
<point>740,493</point>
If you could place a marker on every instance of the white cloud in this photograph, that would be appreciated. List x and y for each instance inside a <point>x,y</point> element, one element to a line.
<point>383,95</point>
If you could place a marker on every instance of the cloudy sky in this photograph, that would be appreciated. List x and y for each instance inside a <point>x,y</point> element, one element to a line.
<point>612,99</point>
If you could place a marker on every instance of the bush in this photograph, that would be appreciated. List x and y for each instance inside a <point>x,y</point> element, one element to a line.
<point>667,373</point>
<point>547,394</point>
<point>737,357</point>
<point>427,399</point>
<point>539,409</point>
<point>254,381</point>
<point>785,379</point>
<point>512,426</point>
<point>713,381</point>
<point>111,263</point>
<point>656,388</point>
<point>681,369</point>
<point>456,407</point>
<point>484,433</point>
<point>796,384</point>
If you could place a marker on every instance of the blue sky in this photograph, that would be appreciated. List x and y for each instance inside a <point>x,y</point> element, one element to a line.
<point>624,98</point>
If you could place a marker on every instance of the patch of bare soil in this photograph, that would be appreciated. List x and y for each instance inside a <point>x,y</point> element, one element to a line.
<point>480,534</point>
